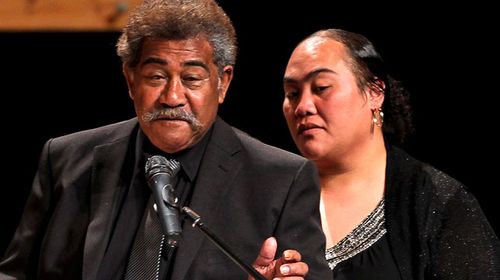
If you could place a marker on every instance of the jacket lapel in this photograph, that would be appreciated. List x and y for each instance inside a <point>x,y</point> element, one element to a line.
<point>105,181</point>
<point>219,166</point>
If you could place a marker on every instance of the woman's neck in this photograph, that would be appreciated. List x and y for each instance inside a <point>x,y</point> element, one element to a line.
<point>351,189</point>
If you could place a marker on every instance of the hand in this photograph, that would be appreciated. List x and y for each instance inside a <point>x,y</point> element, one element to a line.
<point>288,266</point>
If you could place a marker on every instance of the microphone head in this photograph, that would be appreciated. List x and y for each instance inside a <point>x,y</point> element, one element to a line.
<point>159,164</point>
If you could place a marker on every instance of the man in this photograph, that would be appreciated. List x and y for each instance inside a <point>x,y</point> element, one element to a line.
<point>89,213</point>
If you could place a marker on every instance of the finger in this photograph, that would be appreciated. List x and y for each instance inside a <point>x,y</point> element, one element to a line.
<point>267,252</point>
<point>291,256</point>
<point>294,269</point>
<point>289,278</point>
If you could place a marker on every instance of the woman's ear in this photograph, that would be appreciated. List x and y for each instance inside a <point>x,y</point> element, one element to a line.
<point>376,93</point>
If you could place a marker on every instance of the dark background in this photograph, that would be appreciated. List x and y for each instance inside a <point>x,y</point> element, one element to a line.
<point>58,83</point>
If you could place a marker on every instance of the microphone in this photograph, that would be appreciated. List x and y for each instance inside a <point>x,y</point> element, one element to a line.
<point>159,174</point>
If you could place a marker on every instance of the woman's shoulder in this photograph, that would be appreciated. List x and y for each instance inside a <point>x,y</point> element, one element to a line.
<point>422,177</point>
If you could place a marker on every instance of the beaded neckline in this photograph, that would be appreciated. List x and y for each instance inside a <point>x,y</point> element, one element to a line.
<point>369,231</point>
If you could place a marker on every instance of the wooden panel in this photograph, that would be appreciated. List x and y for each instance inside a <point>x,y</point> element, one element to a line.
<point>64,15</point>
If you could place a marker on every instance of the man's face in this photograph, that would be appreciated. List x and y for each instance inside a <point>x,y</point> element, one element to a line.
<point>176,91</point>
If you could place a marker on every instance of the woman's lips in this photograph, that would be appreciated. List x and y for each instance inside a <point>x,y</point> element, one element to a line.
<point>306,126</point>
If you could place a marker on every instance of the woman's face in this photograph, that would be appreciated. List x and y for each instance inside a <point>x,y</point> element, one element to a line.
<point>327,114</point>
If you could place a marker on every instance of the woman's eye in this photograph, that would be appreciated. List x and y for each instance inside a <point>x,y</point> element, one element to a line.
<point>291,94</point>
<point>321,88</point>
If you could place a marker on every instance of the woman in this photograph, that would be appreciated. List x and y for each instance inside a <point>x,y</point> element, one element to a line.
<point>385,215</point>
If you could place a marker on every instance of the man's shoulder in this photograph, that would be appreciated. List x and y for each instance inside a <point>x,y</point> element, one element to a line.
<point>97,136</point>
<point>266,154</point>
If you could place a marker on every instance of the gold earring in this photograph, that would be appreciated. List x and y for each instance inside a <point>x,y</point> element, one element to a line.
<point>378,117</point>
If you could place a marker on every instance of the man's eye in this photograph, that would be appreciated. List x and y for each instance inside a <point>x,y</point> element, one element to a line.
<point>154,77</point>
<point>192,79</point>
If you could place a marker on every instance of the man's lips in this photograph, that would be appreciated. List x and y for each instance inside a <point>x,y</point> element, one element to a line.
<point>169,119</point>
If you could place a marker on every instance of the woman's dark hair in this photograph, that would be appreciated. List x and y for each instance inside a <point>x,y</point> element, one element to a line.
<point>369,69</point>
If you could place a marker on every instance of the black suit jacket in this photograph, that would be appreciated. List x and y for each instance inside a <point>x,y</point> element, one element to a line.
<point>246,191</point>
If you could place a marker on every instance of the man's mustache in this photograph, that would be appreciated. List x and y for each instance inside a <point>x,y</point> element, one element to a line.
<point>173,114</point>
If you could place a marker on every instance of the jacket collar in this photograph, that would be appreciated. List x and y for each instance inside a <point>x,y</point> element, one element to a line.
<point>106,180</point>
<point>219,166</point>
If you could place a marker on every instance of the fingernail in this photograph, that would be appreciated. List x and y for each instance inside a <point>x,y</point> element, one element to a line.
<point>284,269</point>
<point>286,255</point>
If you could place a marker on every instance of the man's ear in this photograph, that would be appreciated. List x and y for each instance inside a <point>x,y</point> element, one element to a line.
<point>128,72</point>
<point>224,82</point>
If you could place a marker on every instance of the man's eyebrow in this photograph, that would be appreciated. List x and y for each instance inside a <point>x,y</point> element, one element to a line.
<point>197,63</point>
<point>154,60</point>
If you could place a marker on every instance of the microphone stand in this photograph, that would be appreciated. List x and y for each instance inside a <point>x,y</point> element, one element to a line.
<point>196,220</point>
